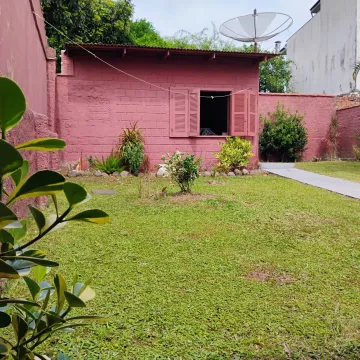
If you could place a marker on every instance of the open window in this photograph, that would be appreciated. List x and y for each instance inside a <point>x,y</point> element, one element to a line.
<point>214,113</point>
<point>196,113</point>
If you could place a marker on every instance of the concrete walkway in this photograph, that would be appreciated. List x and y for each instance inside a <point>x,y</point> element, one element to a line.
<point>344,187</point>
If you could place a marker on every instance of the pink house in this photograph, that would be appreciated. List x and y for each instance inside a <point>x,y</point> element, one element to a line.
<point>186,100</point>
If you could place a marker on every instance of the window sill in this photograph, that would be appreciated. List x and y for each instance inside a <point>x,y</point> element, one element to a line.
<point>211,136</point>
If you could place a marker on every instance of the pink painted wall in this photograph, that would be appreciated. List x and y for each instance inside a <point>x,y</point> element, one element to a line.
<point>349,125</point>
<point>95,102</point>
<point>318,110</point>
<point>26,58</point>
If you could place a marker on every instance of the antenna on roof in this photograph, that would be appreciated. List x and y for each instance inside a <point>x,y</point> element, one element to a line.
<point>256,27</point>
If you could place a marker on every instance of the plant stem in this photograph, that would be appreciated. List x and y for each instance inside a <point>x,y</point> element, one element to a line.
<point>1,188</point>
<point>40,236</point>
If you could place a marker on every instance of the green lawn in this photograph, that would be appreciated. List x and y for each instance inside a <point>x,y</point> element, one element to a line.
<point>258,266</point>
<point>348,170</point>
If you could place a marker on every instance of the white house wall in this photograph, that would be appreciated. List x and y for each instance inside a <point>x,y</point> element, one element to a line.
<point>324,50</point>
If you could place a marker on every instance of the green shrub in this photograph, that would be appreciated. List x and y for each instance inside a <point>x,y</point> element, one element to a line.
<point>284,136</point>
<point>234,153</point>
<point>132,148</point>
<point>107,165</point>
<point>133,155</point>
<point>184,171</point>
<point>45,310</point>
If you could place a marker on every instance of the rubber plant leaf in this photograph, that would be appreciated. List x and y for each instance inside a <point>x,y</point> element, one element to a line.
<point>20,174</point>
<point>39,218</point>
<point>60,286</point>
<point>75,194</point>
<point>43,144</point>
<point>12,104</point>
<point>94,216</point>
<point>7,271</point>
<point>74,301</point>
<point>45,182</point>
<point>33,286</point>
<point>10,159</point>
<point>20,328</point>
<point>5,320</point>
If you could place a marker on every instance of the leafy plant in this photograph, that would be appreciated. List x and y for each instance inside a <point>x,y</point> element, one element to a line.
<point>184,171</point>
<point>132,148</point>
<point>37,318</point>
<point>234,153</point>
<point>284,136</point>
<point>108,165</point>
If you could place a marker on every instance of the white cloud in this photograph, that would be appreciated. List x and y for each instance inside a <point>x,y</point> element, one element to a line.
<point>170,16</point>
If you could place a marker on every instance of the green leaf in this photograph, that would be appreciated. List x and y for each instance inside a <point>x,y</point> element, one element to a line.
<point>52,319</point>
<point>62,356</point>
<point>7,271</point>
<point>20,173</point>
<point>6,237</point>
<point>92,216</point>
<point>12,104</point>
<point>10,161</point>
<point>60,286</point>
<point>44,144</point>
<point>33,287</point>
<point>4,302</point>
<point>74,301</point>
<point>75,194</point>
<point>38,217</point>
<point>5,320</point>
<point>84,292</point>
<point>34,260</point>
<point>54,199</point>
<point>6,216</point>
<point>5,347</point>
<point>39,273</point>
<point>45,182</point>
<point>19,233</point>
<point>20,328</point>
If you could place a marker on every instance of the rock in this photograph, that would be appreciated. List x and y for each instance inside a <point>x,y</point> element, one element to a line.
<point>245,172</point>
<point>87,173</point>
<point>116,174</point>
<point>257,172</point>
<point>237,172</point>
<point>64,170</point>
<point>231,173</point>
<point>98,173</point>
<point>73,173</point>
<point>124,174</point>
<point>81,173</point>
<point>162,172</point>
<point>141,174</point>
<point>207,173</point>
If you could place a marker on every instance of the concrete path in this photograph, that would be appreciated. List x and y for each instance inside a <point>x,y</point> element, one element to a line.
<point>344,187</point>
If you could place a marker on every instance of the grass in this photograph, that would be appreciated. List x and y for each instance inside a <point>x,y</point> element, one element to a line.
<point>347,170</point>
<point>259,268</point>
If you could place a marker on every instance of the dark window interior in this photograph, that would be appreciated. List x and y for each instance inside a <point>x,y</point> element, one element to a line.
<point>214,113</point>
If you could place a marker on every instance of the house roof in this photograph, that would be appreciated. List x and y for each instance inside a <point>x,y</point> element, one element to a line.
<point>316,8</point>
<point>166,52</point>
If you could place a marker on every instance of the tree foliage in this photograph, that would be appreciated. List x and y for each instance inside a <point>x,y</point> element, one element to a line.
<point>88,21</point>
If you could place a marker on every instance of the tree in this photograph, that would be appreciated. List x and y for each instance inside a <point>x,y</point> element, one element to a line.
<point>143,33</point>
<point>88,21</point>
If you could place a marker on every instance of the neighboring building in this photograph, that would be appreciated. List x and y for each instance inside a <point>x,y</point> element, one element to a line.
<point>95,101</point>
<point>325,49</point>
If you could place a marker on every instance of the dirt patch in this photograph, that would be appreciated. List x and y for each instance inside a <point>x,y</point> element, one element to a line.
<point>214,182</point>
<point>270,276</point>
<point>180,197</point>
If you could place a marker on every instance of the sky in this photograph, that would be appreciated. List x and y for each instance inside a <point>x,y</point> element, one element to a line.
<point>170,16</point>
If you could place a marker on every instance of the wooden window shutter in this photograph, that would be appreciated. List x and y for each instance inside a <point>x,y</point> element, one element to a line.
<point>253,117</point>
<point>194,112</point>
<point>179,112</point>
<point>239,113</point>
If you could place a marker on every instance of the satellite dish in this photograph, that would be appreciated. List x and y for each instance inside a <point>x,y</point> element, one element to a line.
<point>256,27</point>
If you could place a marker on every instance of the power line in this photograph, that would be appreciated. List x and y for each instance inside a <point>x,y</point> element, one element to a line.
<point>124,72</point>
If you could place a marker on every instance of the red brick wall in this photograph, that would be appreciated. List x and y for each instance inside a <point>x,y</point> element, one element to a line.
<point>349,125</point>
<point>96,102</point>
<point>318,110</point>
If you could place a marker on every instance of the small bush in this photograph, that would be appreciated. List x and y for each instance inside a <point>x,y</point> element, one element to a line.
<point>107,165</point>
<point>184,171</point>
<point>356,152</point>
<point>234,153</point>
<point>284,137</point>
<point>133,156</point>
<point>132,148</point>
